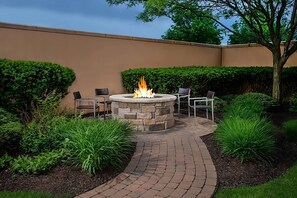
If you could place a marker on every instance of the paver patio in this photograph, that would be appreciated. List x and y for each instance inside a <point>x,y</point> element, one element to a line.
<point>171,163</point>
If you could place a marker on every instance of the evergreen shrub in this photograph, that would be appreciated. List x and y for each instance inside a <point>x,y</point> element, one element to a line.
<point>22,81</point>
<point>222,80</point>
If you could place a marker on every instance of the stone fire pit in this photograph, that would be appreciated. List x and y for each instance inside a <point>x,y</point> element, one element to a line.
<point>145,114</point>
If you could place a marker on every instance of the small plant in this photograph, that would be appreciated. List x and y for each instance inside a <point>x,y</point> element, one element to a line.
<point>290,130</point>
<point>40,138</point>
<point>219,104</point>
<point>96,145</point>
<point>10,131</point>
<point>5,160</point>
<point>268,103</point>
<point>293,103</point>
<point>247,139</point>
<point>38,164</point>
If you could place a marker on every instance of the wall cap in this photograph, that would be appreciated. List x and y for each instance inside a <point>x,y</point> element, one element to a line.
<point>93,34</point>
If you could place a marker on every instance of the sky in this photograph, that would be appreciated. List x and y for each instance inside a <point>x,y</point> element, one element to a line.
<point>82,15</point>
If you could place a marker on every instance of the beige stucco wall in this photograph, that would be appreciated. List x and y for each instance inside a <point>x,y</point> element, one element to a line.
<point>250,55</point>
<point>98,59</point>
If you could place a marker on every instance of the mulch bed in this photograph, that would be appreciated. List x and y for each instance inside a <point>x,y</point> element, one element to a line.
<point>62,180</point>
<point>231,172</point>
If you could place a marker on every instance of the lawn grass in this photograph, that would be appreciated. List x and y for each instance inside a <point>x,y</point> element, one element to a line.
<point>6,194</point>
<point>284,186</point>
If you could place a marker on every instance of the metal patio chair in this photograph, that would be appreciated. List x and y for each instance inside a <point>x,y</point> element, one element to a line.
<point>182,97</point>
<point>85,103</point>
<point>205,103</point>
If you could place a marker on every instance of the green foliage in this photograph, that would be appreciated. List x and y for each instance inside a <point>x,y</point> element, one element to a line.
<point>290,130</point>
<point>190,26</point>
<point>22,81</point>
<point>41,137</point>
<point>10,131</point>
<point>247,110</point>
<point>38,164</point>
<point>268,103</point>
<point>243,34</point>
<point>222,80</point>
<point>5,160</point>
<point>247,139</point>
<point>293,103</point>
<point>42,133</point>
<point>96,145</point>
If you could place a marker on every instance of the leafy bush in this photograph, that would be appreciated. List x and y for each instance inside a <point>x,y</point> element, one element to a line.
<point>5,160</point>
<point>42,133</point>
<point>268,103</point>
<point>293,103</point>
<point>42,137</point>
<point>96,145</point>
<point>247,139</point>
<point>21,81</point>
<point>38,164</point>
<point>290,130</point>
<point>10,131</point>
<point>222,80</point>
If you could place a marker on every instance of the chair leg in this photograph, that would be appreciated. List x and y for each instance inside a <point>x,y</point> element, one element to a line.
<point>212,112</point>
<point>189,111</point>
<point>195,110</point>
<point>206,113</point>
<point>178,109</point>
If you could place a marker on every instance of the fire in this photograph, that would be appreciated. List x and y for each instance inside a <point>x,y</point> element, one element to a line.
<point>142,91</point>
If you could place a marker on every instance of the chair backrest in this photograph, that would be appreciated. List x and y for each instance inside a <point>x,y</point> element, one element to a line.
<point>184,91</point>
<point>76,95</point>
<point>210,94</point>
<point>101,91</point>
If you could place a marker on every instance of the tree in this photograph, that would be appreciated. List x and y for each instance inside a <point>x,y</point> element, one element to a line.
<point>256,14</point>
<point>190,27</point>
<point>243,34</point>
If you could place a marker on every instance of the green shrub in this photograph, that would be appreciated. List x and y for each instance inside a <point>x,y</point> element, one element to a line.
<point>268,103</point>
<point>10,131</point>
<point>5,160</point>
<point>42,133</point>
<point>293,103</point>
<point>247,139</point>
<point>96,145</point>
<point>290,130</point>
<point>245,110</point>
<point>222,80</point>
<point>21,81</point>
<point>38,164</point>
<point>41,137</point>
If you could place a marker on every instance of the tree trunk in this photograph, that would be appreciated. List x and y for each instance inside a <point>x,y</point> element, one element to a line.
<point>277,77</point>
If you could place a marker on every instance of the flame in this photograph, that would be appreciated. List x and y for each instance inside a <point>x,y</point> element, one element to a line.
<point>142,91</point>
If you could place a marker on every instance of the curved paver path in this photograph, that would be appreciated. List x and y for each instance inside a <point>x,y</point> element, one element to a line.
<point>172,163</point>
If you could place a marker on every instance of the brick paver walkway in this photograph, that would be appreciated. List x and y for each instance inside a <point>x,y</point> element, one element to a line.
<point>172,163</point>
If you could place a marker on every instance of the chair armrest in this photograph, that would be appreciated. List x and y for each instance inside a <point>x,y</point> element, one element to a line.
<point>205,100</point>
<point>198,98</point>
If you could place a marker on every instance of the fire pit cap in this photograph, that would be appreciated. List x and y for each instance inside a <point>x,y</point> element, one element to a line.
<point>129,98</point>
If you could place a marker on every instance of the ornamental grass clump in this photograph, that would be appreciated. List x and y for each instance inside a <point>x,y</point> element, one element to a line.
<point>247,139</point>
<point>96,145</point>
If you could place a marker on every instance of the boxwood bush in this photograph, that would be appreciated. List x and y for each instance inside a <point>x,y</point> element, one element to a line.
<point>222,80</point>
<point>21,81</point>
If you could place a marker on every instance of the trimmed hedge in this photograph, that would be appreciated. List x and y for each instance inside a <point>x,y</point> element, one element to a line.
<point>222,80</point>
<point>22,81</point>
